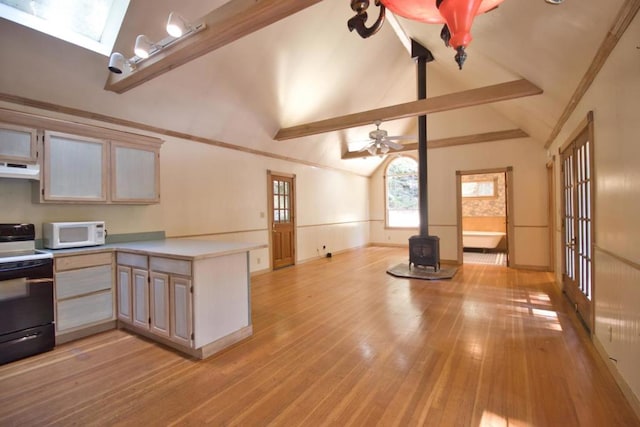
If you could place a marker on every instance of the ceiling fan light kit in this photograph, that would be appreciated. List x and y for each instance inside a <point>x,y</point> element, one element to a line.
<point>456,15</point>
<point>380,142</point>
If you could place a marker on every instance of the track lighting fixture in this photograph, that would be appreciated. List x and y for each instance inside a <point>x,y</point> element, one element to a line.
<point>178,29</point>
<point>117,63</point>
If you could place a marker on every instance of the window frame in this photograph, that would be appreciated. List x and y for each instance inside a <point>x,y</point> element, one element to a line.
<point>494,186</point>
<point>386,194</point>
<point>104,46</point>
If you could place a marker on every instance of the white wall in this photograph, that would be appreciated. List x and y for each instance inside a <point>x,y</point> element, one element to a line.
<point>613,98</point>
<point>528,160</point>
<point>223,193</point>
<point>207,189</point>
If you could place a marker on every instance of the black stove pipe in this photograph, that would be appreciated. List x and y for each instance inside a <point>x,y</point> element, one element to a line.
<point>422,55</point>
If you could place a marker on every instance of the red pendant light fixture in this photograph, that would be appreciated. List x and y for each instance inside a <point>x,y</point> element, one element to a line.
<point>456,15</point>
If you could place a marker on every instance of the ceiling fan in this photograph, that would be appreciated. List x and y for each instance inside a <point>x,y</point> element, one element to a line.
<point>380,142</point>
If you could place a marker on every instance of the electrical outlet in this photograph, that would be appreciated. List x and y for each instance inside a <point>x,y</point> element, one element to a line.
<point>258,260</point>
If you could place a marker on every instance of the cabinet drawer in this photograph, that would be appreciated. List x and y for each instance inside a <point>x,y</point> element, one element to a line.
<point>169,265</point>
<point>83,311</point>
<point>82,261</point>
<point>84,281</point>
<point>134,260</point>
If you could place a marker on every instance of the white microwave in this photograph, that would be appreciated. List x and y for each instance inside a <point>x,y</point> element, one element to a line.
<point>60,235</point>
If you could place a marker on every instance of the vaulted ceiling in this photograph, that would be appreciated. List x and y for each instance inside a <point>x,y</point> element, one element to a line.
<point>309,67</point>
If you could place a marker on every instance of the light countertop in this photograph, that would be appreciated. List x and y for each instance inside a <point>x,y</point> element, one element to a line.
<point>178,248</point>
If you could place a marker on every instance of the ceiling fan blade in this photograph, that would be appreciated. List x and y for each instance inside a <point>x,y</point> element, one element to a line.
<point>394,145</point>
<point>401,138</point>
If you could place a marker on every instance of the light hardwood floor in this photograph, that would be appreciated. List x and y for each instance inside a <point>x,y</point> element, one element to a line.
<point>339,342</point>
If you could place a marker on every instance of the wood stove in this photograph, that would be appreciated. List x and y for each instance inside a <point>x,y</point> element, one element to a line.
<point>424,251</point>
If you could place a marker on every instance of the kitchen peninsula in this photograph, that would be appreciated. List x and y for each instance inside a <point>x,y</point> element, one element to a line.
<point>192,295</point>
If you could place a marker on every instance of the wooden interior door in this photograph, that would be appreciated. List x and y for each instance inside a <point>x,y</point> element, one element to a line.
<point>577,225</point>
<point>282,215</point>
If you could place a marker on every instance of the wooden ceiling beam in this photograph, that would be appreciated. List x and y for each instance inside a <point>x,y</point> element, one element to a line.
<point>450,142</point>
<point>467,98</point>
<point>224,25</point>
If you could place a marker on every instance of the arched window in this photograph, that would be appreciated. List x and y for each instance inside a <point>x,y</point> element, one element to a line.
<point>402,193</point>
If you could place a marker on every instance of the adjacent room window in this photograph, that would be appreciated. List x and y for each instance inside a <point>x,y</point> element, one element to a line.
<point>402,193</point>
<point>91,24</point>
<point>485,188</point>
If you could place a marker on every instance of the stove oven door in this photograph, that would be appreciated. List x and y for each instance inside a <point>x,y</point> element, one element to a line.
<point>26,308</point>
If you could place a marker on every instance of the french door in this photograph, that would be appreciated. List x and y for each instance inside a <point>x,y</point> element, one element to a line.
<point>282,216</point>
<point>577,225</point>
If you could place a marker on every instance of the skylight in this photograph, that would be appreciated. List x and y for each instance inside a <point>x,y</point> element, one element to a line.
<point>91,24</point>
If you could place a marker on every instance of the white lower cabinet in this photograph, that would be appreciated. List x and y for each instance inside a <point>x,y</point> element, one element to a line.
<point>140,289</point>
<point>198,304</point>
<point>180,310</point>
<point>84,294</point>
<point>159,297</point>
<point>125,307</point>
<point>154,296</point>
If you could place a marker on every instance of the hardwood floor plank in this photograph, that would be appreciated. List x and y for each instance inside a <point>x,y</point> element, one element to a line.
<point>340,342</point>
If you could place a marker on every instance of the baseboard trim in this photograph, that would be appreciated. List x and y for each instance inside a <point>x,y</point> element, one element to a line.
<point>260,272</point>
<point>203,352</point>
<point>626,390</point>
<point>390,245</point>
<point>83,332</point>
<point>531,267</point>
<point>224,342</point>
<point>342,251</point>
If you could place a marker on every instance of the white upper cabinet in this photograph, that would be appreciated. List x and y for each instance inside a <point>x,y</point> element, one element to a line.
<point>134,174</point>
<point>82,163</point>
<point>17,144</point>
<point>80,169</point>
<point>75,168</point>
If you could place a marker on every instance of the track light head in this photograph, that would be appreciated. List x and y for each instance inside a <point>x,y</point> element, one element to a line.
<point>116,63</point>
<point>176,25</point>
<point>143,46</point>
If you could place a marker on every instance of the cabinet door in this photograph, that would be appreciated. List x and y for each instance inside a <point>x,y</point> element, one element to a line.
<point>17,143</point>
<point>159,296</point>
<point>75,168</point>
<point>180,313</point>
<point>140,281</point>
<point>135,177</point>
<point>125,307</point>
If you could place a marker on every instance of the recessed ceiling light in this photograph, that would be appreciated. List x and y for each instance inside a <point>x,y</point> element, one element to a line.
<point>554,1</point>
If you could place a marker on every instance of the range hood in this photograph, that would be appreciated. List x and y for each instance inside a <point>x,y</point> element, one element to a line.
<point>19,170</point>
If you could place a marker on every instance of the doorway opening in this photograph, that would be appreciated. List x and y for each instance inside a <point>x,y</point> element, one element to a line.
<point>483,217</point>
